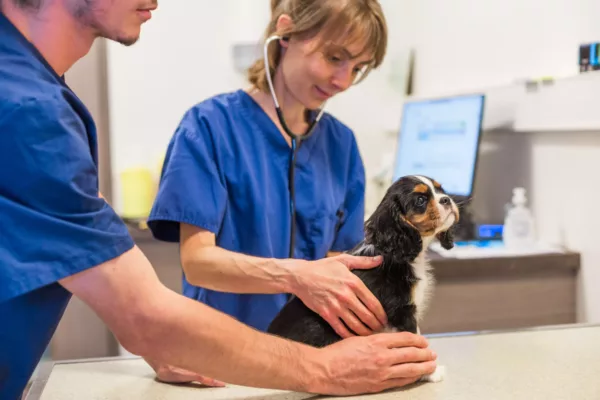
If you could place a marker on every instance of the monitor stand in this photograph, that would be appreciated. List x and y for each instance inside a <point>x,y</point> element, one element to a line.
<point>465,229</point>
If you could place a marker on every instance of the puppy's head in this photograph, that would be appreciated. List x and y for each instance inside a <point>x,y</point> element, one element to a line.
<point>428,208</point>
<point>414,210</point>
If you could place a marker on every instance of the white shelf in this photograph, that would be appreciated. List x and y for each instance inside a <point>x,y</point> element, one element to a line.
<point>566,105</point>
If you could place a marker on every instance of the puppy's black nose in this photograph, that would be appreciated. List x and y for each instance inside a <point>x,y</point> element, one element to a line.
<point>445,201</point>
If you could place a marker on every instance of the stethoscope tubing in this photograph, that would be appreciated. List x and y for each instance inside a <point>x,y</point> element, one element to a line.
<point>296,141</point>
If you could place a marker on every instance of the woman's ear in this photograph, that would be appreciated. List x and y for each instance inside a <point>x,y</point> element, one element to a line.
<point>284,24</point>
<point>446,239</point>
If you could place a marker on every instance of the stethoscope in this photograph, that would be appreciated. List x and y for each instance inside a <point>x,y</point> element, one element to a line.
<point>296,141</point>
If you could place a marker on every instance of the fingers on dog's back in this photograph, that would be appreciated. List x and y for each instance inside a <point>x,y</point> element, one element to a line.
<point>360,262</point>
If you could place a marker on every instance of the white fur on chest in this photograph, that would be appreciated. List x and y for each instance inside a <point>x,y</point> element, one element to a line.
<point>424,287</point>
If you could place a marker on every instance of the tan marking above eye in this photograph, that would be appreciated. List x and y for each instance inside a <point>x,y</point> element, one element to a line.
<point>437,184</point>
<point>421,188</point>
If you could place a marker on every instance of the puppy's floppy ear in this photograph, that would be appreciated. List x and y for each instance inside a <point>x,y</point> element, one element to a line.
<point>446,239</point>
<point>391,233</point>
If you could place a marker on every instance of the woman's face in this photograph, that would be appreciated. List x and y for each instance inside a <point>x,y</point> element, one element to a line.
<point>313,77</point>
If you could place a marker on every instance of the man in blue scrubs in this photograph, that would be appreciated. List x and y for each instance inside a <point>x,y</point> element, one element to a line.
<point>59,237</point>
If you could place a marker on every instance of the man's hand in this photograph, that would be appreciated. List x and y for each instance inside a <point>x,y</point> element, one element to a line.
<point>168,374</point>
<point>375,363</point>
<point>329,288</point>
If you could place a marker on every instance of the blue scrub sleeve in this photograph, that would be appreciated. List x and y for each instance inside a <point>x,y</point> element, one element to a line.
<point>351,231</point>
<point>53,223</point>
<point>192,188</point>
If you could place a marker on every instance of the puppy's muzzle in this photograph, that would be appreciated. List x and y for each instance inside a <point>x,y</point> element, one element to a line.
<point>447,203</point>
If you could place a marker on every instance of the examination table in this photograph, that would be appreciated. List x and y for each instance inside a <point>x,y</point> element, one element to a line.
<point>546,363</point>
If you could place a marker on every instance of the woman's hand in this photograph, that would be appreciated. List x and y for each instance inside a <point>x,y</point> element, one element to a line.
<point>329,288</point>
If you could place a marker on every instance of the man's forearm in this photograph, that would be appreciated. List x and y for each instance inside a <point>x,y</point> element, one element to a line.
<point>219,269</point>
<point>190,335</point>
<point>151,320</point>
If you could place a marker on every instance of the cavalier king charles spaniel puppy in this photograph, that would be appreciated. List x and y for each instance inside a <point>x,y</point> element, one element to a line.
<point>414,211</point>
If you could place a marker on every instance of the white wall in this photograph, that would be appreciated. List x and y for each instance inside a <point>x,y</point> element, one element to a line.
<point>184,56</point>
<point>465,45</point>
<point>565,168</point>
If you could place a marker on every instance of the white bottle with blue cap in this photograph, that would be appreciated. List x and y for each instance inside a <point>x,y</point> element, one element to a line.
<point>518,232</point>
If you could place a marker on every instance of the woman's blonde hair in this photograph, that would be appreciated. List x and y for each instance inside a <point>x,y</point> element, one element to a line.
<point>355,19</point>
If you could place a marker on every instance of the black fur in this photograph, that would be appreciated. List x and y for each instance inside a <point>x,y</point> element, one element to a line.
<point>388,234</point>
<point>446,239</point>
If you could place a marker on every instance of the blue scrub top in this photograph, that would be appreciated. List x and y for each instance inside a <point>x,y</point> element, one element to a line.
<point>52,222</point>
<point>226,171</point>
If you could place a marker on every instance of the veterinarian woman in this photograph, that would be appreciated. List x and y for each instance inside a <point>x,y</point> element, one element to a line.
<point>225,186</point>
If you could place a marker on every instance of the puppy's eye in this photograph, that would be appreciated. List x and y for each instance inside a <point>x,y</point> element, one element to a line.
<point>421,200</point>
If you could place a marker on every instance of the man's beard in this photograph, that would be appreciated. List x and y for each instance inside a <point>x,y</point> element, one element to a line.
<point>86,11</point>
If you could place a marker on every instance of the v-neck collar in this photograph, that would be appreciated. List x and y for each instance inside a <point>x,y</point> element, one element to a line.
<point>6,26</point>
<point>263,124</point>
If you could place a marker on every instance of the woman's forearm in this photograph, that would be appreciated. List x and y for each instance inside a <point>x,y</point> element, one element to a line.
<point>327,286</point>
<point>215,268</point>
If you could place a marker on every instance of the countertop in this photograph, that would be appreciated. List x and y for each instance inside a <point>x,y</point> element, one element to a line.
<point>518,265</point>
<point>548,363</point>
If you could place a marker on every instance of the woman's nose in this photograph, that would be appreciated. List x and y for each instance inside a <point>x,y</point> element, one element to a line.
<point>343,79</point>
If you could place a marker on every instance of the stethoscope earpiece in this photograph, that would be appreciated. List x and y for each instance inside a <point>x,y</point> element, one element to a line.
<point>292,135</point>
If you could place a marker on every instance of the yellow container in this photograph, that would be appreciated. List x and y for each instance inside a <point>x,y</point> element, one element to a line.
<point>137,192</point>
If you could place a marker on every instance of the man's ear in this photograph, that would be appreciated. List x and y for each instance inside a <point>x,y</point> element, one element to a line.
<point>391,233</point>
<point>446,239</point>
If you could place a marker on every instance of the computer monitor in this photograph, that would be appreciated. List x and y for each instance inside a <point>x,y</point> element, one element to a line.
<point>440,138</point>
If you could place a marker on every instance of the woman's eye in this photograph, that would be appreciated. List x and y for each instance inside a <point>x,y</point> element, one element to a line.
<point>335,59</point>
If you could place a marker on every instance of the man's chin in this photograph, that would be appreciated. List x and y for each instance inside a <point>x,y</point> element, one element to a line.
<point>125,37</point>
<point>127,40</point>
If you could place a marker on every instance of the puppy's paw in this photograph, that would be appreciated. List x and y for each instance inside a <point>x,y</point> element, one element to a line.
<point>437,375</point>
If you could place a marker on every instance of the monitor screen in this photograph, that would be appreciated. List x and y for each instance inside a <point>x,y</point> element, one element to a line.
<point>440,138</point>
